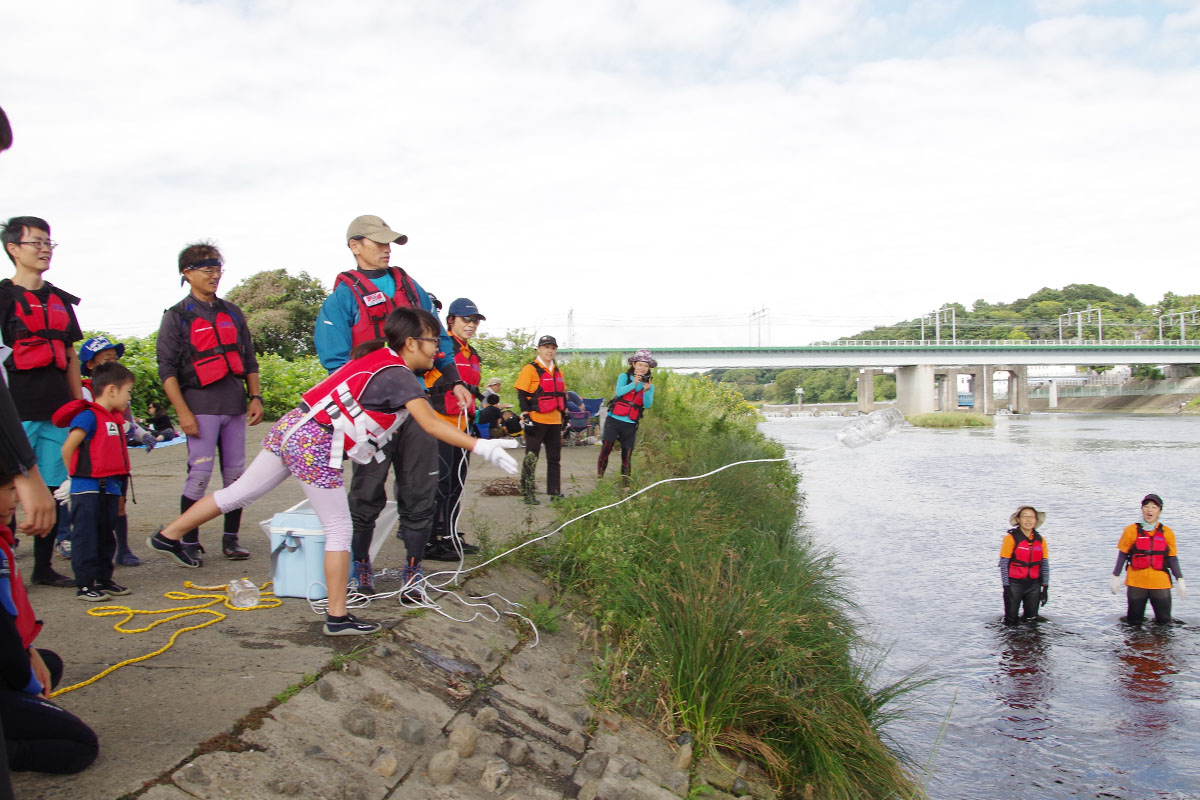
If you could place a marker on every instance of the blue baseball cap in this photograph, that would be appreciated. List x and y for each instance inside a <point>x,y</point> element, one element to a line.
<point>462,307</point>
<point>94,345</point>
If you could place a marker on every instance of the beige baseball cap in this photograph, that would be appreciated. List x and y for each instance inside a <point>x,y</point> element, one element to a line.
<point>375,229</point>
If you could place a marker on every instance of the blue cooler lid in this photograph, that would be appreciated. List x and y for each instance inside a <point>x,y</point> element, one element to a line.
<point>298,523</point>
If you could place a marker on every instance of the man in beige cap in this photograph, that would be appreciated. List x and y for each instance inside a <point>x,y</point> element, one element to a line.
<point>352,315</point>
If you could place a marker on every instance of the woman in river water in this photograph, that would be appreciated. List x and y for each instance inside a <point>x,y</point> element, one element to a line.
<point>1024,565</point>
<point>1149,549</point>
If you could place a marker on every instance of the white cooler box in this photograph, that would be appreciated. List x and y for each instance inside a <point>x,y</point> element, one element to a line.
<point>298,549</point>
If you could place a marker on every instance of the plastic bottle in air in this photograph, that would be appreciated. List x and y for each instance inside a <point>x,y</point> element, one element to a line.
<point>870,427</point>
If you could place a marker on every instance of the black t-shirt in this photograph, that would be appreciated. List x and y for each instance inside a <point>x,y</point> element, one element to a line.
<point>37,393</point>
<point>391,390</point>
<point>490,415</point>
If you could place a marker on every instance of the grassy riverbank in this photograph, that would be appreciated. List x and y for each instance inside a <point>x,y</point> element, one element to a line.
<point>951,419</point>
<point>718,619</point>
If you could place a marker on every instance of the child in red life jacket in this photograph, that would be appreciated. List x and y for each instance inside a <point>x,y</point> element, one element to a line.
<point>1024,566</point>
<point>92,353</point>
<point>38,735</point>
<point>635,394</point>
<point>1148,549</point>
<point>352,413</point>
<point>97,459</point>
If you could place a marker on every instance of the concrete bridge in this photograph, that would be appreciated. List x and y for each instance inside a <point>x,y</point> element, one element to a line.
<point>926,371</point>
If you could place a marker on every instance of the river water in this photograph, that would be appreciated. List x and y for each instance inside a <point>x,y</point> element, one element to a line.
<point>1079,705</point>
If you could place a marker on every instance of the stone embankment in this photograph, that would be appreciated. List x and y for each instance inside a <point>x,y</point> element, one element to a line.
<point>262,705</point>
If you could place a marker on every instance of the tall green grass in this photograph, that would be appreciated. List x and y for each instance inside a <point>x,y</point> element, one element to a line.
<point>720,618</point>
<point>951,419</point>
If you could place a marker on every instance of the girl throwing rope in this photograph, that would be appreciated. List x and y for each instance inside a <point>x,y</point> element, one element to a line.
<point>352,413</point>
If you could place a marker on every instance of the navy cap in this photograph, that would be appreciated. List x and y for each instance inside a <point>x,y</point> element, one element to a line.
<point>547,339</point>
<point>94,345</point>
<point>1152,498</point>
<point>462,307</point>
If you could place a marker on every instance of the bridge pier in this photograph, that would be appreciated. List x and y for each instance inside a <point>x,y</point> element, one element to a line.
<point>914,389</point>
<point>866,390</point>
<point>947,389</point>
<point>982,388</point>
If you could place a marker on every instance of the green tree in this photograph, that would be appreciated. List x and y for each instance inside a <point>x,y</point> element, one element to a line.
<point>281,310</point>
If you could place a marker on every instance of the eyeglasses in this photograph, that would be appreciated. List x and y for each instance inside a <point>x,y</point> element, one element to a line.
<point>40,243</point>
<point>427,339</point>
<point>473,320</point>
<point>209,271</point>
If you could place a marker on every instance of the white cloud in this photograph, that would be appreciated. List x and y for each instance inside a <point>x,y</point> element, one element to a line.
<point>643,159</point>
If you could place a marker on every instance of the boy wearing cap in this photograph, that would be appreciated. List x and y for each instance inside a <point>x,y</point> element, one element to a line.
<point>94,352</point>
<point>209,372</point>
<point>1148,549</point>
<point>353,315</point>
<point>37,320</point>
<point>542,395</point>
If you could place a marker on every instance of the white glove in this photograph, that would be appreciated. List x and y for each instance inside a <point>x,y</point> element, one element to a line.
<point>63,493</point>
<point>492,451</point>
<point>1115,584</point>
<point>1181,588</point>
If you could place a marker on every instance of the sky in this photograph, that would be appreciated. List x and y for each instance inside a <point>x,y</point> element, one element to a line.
<point>625,173</point>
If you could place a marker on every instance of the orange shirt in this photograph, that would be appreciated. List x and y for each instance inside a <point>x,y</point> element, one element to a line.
<point>527,381</point>
<point>1147,578</point>
<point>1009,544</point>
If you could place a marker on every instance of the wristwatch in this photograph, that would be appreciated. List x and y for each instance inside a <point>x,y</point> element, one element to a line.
<point>257,397</point>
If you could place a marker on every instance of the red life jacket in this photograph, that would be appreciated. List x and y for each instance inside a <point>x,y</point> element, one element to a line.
<point>441,392</point>
<point>1149,550</point>
<point>39,330</point>
<point>357,432</point>
<point>106,455</point>
<point>13,597</point>
<point>1027,556</point>
<point>551,392</point>
<point>373,304</point>
<point>630,404</point>
<point>213,350</point>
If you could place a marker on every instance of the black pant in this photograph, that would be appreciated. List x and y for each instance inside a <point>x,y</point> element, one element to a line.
<point>452,472</point>
<point>535,436</point>
<point>413,453</point>
<point>1022,592</point>
<point>1135,600</point>
<point>93,537</point>
<point>617,430</point>
<point>41,737</point>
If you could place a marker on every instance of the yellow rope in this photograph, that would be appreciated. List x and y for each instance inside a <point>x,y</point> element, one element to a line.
<point>127,614</point>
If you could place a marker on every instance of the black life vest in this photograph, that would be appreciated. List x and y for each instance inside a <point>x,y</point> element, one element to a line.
<point>106,454</point>
<point>629,404</point>
<point>1027,556</point>
<point>213,346</point>
<point>374,305</point>
<point>1149,550</point>
<point>39,330</point>
<point>551,392</point>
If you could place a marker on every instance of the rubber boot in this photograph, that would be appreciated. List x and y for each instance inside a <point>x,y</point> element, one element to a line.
<point>43,573</point>
<point>125,556</point>
<point>528,485</point>
<point>191,539</point>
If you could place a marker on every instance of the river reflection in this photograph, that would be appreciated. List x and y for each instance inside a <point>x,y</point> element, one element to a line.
<point>1078,705</point>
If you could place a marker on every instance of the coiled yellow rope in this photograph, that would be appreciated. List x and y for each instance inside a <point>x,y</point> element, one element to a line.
<point>268,600</point>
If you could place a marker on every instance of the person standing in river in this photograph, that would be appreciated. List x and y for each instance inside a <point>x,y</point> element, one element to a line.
<point>1024,566</point>
<point>1147,548</point>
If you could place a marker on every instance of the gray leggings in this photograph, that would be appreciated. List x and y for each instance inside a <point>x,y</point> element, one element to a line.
<point>265,473</point>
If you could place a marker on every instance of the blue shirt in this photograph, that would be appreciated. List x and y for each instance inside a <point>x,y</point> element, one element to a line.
<point>335,323</point>
<point>86,421</point>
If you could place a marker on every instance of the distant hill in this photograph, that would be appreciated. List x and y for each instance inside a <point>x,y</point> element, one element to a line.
<point>1037,316</point>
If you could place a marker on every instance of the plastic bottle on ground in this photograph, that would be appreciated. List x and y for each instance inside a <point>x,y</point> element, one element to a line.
<point>243,593</point>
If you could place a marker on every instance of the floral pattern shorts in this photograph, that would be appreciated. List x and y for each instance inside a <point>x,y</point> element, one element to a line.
<point>306,452</point>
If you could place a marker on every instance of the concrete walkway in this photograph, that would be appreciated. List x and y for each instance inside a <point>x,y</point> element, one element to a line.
<point>153,716</point>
